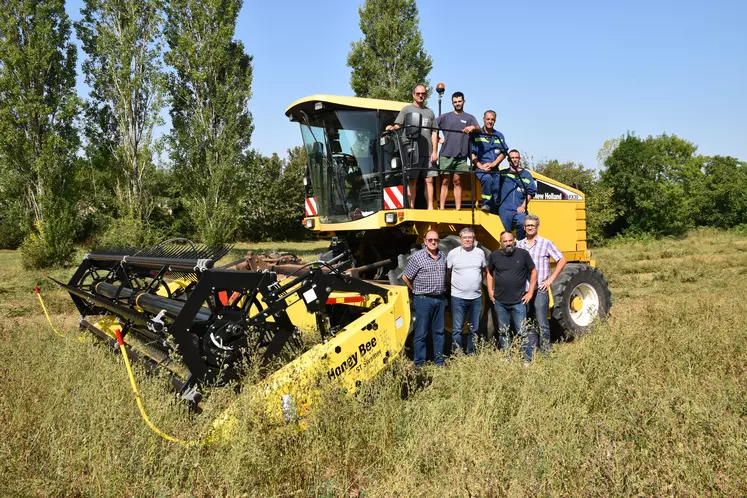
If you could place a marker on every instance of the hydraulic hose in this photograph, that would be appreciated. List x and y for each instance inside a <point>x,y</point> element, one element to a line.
<point>120,341</point>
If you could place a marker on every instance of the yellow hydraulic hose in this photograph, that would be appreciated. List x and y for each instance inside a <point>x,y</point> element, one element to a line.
<point>187,444</point>
<point>41,301</point>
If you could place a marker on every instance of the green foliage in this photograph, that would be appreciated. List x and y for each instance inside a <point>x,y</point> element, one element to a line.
<point>720,193</point>
<point>52,245</point>
<point>210,89</point>
<point>390,59</point>
<point>128,232</point>
<point>123,70</point>
<point>38,139</point>
<point>601,211</point>
<point>650,181</point>
<point>273,209</point>
<point>570,173</point>
<point>12,222</point>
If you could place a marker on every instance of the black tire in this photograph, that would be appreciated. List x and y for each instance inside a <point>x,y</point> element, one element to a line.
<point>395,276</point>
<point>486,329</point>
<point>581,295</point>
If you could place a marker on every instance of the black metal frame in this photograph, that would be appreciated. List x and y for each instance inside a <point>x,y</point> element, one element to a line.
<point>127,286</point>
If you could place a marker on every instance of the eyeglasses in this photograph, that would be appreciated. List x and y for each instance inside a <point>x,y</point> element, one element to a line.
<point>530,226</point>
<point>467,237</point>
<point>431,240</point>
<point>418,93</point>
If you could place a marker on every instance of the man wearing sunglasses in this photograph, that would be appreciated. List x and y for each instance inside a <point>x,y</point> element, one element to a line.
<point>425,275</point>
<point>422,168</point>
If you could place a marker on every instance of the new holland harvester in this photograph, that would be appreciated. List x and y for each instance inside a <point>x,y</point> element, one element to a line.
<point>182,314</point>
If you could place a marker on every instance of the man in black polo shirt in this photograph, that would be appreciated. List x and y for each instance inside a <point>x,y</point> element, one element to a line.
<point>425,275</point>
<point>509,269</point>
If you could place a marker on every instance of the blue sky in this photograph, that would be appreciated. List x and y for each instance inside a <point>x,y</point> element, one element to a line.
<point>563,76</point>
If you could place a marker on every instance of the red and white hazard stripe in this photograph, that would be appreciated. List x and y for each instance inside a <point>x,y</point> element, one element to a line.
<point>393,197</point>
<point>311,206</point>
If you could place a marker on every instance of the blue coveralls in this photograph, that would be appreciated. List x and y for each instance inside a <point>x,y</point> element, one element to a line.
<point>487,148</point>
<point>514,189</point>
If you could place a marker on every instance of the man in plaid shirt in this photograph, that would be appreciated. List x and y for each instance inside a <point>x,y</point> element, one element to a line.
<point>541,250</point>
<point>425,275</point>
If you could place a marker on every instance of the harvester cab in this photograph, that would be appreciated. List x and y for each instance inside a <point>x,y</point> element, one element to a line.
<point>369,214</point>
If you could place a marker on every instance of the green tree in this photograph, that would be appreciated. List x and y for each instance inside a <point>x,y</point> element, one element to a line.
<point>719,194</point>
<point>274,208</point>
<point>209,88</point>
<point>601,211</point>
<point>390,59</point>
<point>570,173</point>
<point>122,40</point>
<point>650,180</point>
<point>38,139</point>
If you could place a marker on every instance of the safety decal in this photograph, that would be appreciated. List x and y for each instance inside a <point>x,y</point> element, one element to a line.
<point>393,197</point>
<point>311,206</point>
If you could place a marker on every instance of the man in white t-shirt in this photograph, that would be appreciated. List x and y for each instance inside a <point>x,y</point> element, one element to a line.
<point>465,271</point>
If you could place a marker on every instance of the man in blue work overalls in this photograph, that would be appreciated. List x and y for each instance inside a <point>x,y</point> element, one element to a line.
<point>488,150</point>
<point>517,187</point>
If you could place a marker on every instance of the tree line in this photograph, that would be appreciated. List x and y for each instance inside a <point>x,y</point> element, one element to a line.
<point>94,171</point>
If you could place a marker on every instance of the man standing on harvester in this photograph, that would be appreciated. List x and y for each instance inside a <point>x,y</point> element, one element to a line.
<point>422,168</point>
<point>455,148</point>
<point>517,187</point>
<point>488,150</point>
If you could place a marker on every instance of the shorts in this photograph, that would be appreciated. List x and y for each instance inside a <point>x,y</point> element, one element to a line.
<point>423,169</point>
<point>458,164</point>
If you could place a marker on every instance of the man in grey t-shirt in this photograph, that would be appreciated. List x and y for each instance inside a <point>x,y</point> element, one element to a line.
<point>421,169</point>
<point>465,269</point>
<point>455,148</point>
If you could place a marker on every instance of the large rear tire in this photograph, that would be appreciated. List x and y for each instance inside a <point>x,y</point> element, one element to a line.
<point>581,295</point>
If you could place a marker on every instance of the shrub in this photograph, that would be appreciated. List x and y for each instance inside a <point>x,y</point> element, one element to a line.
<point>52,246</point>
<point>129,232</point>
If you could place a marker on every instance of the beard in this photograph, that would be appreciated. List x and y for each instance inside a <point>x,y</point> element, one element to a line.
<point>508,251</point>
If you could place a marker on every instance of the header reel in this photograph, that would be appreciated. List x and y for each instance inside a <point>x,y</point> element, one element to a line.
<point>180,314</point>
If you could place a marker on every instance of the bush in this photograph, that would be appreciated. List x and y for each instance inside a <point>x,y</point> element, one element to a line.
<point>11,226</point>
<point>129,232</point>
<point>51,247</point>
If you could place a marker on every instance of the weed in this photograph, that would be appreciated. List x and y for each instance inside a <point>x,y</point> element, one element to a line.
<point>650,402</point>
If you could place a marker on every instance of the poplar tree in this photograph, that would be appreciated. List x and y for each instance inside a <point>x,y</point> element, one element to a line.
<point>209,88</point>
<point>38,139</point>
<point>122,39</point>
<point>389,61</point>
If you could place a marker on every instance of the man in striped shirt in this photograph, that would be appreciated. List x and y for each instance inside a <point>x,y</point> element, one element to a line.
<point>541,250</point>
<point>425,275</point>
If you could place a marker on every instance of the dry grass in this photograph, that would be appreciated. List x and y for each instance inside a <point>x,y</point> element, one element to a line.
<point>651,403</point>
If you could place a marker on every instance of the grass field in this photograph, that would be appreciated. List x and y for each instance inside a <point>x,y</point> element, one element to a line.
<point>652,402</point>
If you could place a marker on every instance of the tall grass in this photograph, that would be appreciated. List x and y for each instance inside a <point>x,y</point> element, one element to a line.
<point>651,402</point>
